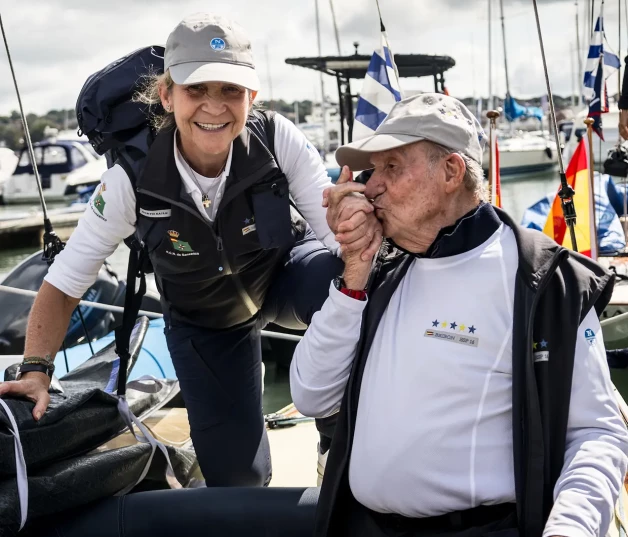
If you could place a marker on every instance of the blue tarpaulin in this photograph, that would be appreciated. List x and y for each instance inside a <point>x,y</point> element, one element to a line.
<point>513,110</point>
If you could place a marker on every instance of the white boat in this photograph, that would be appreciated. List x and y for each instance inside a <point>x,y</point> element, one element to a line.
<point>8,162</point>
<point>524,153</point>
<point>63,165</point>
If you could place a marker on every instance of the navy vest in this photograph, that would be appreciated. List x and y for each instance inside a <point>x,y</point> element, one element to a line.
<point>216,274</point>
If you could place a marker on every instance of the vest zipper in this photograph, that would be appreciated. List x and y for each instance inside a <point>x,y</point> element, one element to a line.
<point>224,261</point>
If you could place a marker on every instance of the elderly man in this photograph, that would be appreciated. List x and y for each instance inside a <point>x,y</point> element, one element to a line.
<point>471,379</point>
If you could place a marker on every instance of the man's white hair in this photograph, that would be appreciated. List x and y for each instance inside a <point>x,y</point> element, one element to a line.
<point>473,175</point>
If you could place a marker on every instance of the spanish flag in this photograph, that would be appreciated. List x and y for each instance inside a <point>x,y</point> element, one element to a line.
<point>578,178</point>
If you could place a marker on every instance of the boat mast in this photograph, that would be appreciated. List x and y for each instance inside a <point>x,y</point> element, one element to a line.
<point>501,9</point>
<point>579,55</point>
<point>323,109</point>
<point>490,59</point>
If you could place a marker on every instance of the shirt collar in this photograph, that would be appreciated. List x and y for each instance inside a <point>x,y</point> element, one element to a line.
<point>467,233</point>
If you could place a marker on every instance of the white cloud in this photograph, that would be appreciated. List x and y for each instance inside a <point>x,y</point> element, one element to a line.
<point>57,44</point>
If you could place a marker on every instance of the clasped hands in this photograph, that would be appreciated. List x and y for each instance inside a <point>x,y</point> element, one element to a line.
<point>351,216</point>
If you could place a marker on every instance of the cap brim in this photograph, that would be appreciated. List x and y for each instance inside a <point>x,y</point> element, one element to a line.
<point>357,155</point>
<point>199,72</point>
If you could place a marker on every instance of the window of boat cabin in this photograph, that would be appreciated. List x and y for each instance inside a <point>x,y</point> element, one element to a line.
<point>25,157</point>
<point>55,154</point>
<point>77,157</point>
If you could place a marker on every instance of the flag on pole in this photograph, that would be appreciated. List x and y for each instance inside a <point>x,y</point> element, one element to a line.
<point>578,178</point>
<point>600,53</point>
<point>380,91</point>
<point>496,189</point>
<point>599,103</point>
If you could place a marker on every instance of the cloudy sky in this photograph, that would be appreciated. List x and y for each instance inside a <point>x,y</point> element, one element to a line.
<point>57,44</point>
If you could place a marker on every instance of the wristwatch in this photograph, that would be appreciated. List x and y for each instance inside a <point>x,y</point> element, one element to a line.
<point>339,284</point>
<point>36,363</point>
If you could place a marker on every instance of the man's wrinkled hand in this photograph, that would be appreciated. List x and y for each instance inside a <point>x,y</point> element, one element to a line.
<point>351,217</point>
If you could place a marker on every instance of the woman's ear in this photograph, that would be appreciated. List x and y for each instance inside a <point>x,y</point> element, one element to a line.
<point>164,96</point>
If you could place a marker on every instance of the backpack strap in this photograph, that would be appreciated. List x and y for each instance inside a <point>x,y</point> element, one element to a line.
<point>138,258</point>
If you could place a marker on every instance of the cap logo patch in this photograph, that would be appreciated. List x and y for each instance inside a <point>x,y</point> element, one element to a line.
<point>217,43</point>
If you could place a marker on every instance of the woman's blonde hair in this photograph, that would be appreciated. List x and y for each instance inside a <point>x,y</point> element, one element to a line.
<point>149,95</point>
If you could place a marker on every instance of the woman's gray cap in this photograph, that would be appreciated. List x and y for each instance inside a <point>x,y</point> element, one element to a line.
<point>209,48</point>
<point>429,116</point>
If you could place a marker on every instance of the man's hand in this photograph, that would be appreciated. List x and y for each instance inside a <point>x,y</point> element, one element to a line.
<point>32,385</point>
<point>351,217</point>
<point>623,124</point>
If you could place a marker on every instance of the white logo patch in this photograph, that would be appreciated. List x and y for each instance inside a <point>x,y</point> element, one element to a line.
<point>246,230</point>
<point>160,213</point>
<point>541,356</point>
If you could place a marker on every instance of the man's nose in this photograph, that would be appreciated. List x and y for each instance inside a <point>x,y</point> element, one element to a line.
<point>375,186</point>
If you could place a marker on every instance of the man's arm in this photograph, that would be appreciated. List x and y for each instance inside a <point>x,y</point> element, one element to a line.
<point>597,443</point>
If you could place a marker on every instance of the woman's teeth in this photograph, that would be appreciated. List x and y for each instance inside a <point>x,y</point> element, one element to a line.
<point>211,126</point>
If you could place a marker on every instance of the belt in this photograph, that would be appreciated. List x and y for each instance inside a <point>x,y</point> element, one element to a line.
<point>457,520</point>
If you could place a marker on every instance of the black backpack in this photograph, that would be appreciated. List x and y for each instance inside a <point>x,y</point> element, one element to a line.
<point>119,127</point>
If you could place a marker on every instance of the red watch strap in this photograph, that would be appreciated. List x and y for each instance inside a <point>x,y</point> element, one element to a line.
<point>358,295</point>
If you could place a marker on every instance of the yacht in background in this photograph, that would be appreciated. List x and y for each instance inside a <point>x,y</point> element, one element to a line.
<point>65,163</point>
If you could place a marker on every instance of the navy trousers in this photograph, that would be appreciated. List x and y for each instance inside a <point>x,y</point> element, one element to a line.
<point>220,370</point>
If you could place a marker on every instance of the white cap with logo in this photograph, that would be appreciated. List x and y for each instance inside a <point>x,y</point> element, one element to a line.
<point>429,116</point>
<point>209,48</point>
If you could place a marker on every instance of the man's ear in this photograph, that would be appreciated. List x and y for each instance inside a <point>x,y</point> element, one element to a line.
<point>454,172</point>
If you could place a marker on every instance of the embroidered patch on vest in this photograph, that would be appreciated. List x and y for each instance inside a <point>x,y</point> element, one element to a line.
<point>538,354</point>
<point>181,248</point>
<point>246,230</point>
<point>159,213</point>
<point>589,335</point>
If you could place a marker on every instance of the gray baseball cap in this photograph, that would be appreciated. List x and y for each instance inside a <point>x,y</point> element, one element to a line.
<point>428,116</point>
<point>209,48</point>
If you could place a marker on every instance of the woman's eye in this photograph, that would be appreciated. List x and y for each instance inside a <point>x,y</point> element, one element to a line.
<point>232,90</point>
<point>195,90</point>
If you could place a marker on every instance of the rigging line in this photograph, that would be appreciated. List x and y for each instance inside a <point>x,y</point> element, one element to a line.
<point>566,192</point>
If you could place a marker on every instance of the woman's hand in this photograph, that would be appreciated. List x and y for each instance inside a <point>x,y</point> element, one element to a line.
<point>33,386</point>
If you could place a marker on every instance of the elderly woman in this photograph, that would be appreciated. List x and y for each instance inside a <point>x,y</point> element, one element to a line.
<point>228,252</point>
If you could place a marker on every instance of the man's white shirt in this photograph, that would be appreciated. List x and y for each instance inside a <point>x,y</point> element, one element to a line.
<point>433,431</point>
<point>110,216</point>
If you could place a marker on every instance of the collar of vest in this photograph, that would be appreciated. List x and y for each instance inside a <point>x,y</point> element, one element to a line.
<point>161,176</point>
<point>467,233</point>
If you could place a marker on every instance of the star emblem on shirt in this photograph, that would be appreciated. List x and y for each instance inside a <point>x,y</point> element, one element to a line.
<point>543,344</point>
<point>247,221</point>
<point>435,323</point>
<point>453,325</point>
<point>472,329</point>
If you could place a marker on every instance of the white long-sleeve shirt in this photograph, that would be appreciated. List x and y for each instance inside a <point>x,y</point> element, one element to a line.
<point>434,423</point>
<point>110,216</point>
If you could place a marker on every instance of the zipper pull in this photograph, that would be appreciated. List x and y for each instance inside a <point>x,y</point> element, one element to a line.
<point>219,243</point>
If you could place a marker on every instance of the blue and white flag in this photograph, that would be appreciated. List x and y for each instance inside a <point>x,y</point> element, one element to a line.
<point>380,91</point>
<point>599,51</point>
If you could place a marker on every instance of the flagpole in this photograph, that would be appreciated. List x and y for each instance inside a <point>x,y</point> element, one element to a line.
<point>392,56</point>
<point>492,116</point>
<point>589,123</point>
<point>566,192</point>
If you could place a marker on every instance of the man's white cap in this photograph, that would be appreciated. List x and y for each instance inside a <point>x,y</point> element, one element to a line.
<point>209,48</point>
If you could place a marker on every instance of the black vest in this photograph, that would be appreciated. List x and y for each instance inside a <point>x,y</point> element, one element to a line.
<point>216,274</point>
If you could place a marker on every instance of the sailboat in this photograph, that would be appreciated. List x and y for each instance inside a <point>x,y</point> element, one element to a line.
<point>520,152</point>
